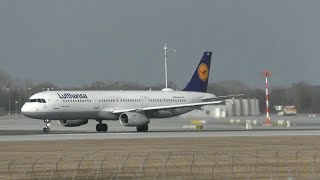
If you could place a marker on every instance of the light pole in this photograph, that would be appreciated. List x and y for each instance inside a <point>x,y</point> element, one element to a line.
<point>18,101</point>
<point>9,109</point>
<point>166,51</point>
<point>29,92</point>
<point>16,107</point>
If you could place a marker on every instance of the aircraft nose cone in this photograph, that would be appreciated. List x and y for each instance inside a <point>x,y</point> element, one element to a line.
<point>25,110</point>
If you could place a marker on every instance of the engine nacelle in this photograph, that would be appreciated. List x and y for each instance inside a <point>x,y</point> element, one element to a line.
<point>133,119</point>
<point>73,123</point>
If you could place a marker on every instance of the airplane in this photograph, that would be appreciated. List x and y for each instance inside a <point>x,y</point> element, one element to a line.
<point>131,108</point>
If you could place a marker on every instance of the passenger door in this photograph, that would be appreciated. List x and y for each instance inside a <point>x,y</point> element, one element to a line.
<point>55,102</point>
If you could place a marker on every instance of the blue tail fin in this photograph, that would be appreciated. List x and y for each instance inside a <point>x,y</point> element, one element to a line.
<point>199,80</point>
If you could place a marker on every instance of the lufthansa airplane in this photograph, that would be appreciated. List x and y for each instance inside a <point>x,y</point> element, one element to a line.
<point>131,108</point>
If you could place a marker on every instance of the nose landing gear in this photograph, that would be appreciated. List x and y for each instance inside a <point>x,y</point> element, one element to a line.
<point>46,128</point>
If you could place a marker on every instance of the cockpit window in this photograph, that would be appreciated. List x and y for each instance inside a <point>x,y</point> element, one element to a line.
<point>33,100</point>
<point>38,100</point>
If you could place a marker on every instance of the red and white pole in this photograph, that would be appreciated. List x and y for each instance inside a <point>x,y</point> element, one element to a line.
<point>267,74</point>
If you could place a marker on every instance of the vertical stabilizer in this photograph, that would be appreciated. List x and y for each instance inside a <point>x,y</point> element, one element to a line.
<point>199,80</point>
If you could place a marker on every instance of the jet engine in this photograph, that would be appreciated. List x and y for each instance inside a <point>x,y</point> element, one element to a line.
<point>73,123</point>
<point>133,119</point>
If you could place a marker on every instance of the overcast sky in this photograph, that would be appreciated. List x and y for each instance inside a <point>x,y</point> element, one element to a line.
<point>71,42</point>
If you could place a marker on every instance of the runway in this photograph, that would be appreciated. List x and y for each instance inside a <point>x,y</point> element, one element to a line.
<point>19,128</point>
<point>176,134</point>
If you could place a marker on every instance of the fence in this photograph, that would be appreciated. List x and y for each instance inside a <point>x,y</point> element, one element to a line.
<point>245,164</point>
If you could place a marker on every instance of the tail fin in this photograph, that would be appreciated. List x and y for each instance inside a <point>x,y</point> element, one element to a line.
<point>199,80</point>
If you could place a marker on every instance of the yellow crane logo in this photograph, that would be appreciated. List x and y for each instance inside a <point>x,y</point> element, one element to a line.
<point>203,72</point>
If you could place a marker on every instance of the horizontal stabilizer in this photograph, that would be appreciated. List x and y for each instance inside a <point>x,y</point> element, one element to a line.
<point>223,97</point>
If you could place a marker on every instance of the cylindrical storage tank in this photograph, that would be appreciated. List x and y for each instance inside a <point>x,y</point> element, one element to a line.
<point>229,109</point>
<point>245,107</point>
<point>237,107</point>
<point>217,112</point>
<point>257,109</point>
<point>223,113</point>
<point>252,107</point>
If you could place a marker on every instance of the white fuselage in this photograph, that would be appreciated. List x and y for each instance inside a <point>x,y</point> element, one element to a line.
<point>101,105</point>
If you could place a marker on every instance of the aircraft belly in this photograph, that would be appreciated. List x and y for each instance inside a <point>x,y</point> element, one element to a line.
<point>70,115</point>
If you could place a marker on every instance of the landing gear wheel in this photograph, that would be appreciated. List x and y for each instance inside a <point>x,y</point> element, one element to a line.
<point>143,128</point>
<point>46,128</point>
<point>98,127</point>
<point>102,127</point>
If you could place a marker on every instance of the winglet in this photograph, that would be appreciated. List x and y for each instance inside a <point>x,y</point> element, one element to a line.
<point>199,80</point>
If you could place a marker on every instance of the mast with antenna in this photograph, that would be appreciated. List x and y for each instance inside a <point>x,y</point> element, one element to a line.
<point>166,51</point>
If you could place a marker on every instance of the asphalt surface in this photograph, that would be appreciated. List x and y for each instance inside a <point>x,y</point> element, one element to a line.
<point>20,128</point>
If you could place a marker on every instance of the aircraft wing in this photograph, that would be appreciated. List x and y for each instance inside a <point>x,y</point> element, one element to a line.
<point>169,107</point>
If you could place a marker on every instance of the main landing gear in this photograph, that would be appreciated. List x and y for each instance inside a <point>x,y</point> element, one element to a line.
<point>46,128</point>
<point>101,127</point>
<point>143,128</point>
